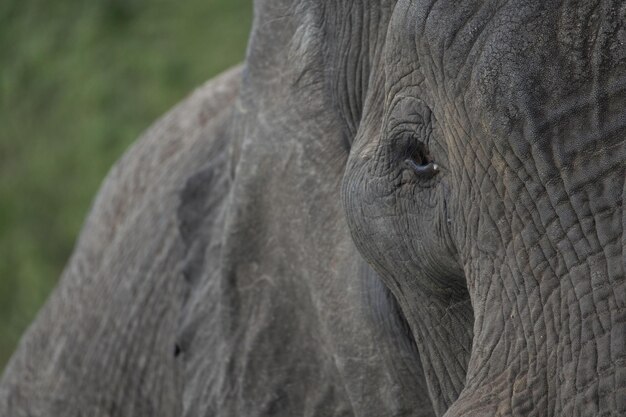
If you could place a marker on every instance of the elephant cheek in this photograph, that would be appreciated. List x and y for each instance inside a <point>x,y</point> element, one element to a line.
<point>368,206</point>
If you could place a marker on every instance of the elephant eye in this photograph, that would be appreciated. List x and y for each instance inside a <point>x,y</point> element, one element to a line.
<point>419,161</point>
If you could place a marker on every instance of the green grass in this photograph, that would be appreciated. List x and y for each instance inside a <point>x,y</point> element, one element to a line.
<point>78,82</point>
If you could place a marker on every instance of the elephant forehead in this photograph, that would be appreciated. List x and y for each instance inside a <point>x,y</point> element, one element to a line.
<point>467,58</point>
<point>510,43</point>
<point>529,76</point>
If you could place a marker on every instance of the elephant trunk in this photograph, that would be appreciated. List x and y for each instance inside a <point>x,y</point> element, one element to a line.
<point>548,287</point>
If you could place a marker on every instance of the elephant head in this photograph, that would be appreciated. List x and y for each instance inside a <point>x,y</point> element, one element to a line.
<point>485,184</point>
<point>473,152</point>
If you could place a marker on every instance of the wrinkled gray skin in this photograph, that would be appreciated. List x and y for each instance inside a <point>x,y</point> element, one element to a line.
<point>223,270</point>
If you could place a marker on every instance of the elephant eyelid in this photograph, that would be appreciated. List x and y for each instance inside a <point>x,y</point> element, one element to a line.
<point>428,170</point>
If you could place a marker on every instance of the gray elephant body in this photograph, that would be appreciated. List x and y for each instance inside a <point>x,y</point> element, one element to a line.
<point>393,208</point>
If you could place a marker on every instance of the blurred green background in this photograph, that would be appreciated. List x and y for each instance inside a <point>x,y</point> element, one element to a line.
<point>79,80</point>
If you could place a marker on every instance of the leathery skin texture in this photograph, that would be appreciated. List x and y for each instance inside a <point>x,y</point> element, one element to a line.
<point>392,208</point>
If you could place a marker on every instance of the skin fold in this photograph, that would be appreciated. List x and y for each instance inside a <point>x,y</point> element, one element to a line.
<point>392,208</point>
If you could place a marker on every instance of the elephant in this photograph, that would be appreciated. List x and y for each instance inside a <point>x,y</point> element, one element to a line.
<point>391,208</point>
